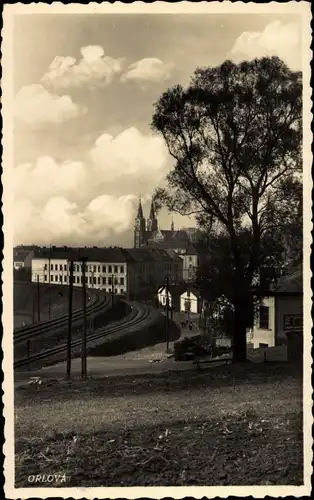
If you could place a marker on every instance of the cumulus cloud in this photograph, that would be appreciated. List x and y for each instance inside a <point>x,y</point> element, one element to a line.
<point>131,158</point>
<point>87,203</point>
<point>277,39</point>
<point>94,69</point>
<point>47,178</point>
<point>60,221</point>
<point>56,220</point>
<point>34,105</point>
<point>119,210</point>
<point>148,69</point>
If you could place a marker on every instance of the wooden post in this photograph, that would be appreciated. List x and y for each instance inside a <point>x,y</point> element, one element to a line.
<point>167,314</point>
<point>92,306</point>
<point>69,342</point>
<point>189,299</point>
<point>49,279</point>
<point>28,354</point>
<point>200,313</point>
<point>112,290</point>
<point>49,303</point>
<point>38,299</point>
<point>49,265</point>
<point>84,336</point>
<point>34,310</point>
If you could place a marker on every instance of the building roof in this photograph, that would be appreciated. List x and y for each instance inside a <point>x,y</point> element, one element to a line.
<point>175,289</point>
<point>147,254</point>
<point>180,288</point>
<point>94,254</point>
<point>175,235</point>
<point>20,255</point>
<point>291,284</point>
<point>195,292</point>
<point>174,245</point>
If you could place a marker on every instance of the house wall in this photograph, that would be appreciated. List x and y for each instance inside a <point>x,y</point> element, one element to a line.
<point>58,271</point>
<point>162,297</point>
<point>152,274</point>
<point>193,299</point>
<point>98,274</point>
<point>257,335</point>
<point>28,260</point>
<point>287,306</point>
<point>18,265</point>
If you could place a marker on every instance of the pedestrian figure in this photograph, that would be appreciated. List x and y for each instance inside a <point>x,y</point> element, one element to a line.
<point>190,326</point>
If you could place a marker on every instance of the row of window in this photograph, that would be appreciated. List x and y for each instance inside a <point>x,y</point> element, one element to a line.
<point>264,317</point>
<point>91,268</point>
<point>91,280</point>
<point>166,267</point>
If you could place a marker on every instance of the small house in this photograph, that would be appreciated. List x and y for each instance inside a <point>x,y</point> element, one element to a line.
<point>190,300</point>
<point>279,313</point>
<point>22,259</point>
<point>173,293</point>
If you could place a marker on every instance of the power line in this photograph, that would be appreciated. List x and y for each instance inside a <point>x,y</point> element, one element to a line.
<point>70,319</point>
<point>167,314</point>
<point>38,299</point>
<point>84,336</point>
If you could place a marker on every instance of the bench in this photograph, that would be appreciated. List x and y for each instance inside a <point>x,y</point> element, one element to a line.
<point>198,362</point>
<point>204,356</point>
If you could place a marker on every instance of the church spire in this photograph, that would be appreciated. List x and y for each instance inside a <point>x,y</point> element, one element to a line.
<point>140,227</point>
<point>152,211</point>
<point>140,210</point>
<point>152,223</point>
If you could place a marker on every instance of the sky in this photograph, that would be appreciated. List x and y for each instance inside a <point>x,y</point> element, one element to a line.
<point>84,88</point>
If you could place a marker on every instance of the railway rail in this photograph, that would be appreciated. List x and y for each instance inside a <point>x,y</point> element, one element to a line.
<point>99,302</point>
<point>140,315</point>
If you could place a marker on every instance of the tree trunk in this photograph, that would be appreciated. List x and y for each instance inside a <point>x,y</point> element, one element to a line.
<point>239,334</point>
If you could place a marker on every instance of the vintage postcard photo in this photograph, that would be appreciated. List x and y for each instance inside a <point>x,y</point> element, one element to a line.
<point>157,229</point>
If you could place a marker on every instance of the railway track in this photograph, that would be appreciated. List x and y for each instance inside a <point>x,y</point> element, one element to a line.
<point>99,302</point>
<point>139,315</point>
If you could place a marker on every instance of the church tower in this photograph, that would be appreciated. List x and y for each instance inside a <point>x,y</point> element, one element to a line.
<point>152,223</point>
<point>139,229</point>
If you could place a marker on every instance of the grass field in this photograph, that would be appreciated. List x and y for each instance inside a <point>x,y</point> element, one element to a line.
<point>53,296</point>
<point>232,425</point>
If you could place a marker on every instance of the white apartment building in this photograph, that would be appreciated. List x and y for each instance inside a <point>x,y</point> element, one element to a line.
<point>123,271</point>
<point>105,268</point>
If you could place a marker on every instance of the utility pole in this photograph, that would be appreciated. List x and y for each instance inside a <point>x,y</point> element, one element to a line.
<point>200,313</point>
<point>70,319</point>
<point>34,310</point>
<point>91,298</point>
<point>49,291</point>
<point>189,298</point>
<point>84,336</point>
<point>49,303</point>
<point>38,299</point>
<point>49,264</point>
<point>112,290</point>
<point>28,354</point>
<point>167,314</point>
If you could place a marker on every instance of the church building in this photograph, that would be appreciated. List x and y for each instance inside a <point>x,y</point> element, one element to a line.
<point>148,233</point>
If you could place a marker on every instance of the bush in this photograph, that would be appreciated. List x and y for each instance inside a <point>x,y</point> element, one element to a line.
<point>183,346</point>
<point>151,334</point>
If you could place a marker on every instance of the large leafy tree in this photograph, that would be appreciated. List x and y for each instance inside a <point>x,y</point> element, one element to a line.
<point>235,138</point>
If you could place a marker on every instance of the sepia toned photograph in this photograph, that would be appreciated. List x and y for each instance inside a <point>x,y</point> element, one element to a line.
<point>157,227</point>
